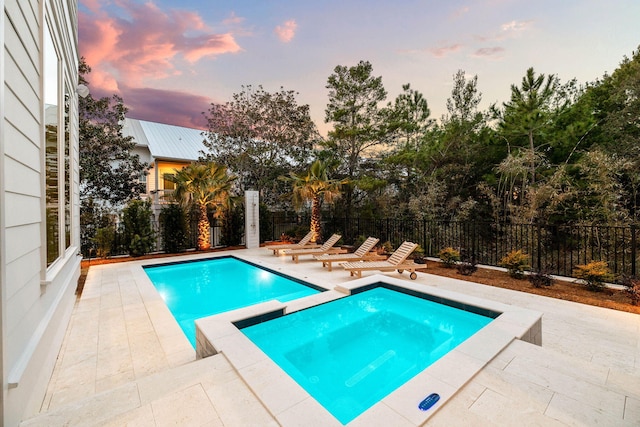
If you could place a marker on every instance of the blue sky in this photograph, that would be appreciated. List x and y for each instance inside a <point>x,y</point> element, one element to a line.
<point>169,59</point>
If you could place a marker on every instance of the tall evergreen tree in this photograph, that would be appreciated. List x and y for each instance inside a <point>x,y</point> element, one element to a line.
<point>528,111</point>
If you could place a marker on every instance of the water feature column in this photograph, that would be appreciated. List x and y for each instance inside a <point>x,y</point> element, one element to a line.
<point>251,219</point>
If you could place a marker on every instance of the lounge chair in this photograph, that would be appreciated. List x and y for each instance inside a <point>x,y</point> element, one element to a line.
<point>326,248</point>
<point>302,244</point>
<point>397,261</point>
<point>363,253</point>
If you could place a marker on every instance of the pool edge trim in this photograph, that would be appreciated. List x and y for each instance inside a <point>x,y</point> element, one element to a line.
<point>446,376</point>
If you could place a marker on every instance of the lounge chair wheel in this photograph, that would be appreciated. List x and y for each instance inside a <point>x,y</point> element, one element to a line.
<point>413,275</point>
<point>400,271</point>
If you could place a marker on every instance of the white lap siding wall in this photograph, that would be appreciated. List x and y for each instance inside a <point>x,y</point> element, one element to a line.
<point>37,295</point>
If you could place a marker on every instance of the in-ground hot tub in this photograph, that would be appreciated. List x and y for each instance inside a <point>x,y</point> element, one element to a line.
<point>285,380</point>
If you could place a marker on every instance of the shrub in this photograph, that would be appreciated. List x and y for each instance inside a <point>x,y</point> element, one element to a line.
<point>138,231</point>
<point>541,279</point>
<point>296,233</point>
<point>386,248</point>
<point>104,240</point>
<point>359,240</point>
<point>593,274</point>
<point>449,257</point>
<point>174,230</point>
<point>467,268</point>
<point>418,255</point>
<point>632,288</point>
<point>516,263</point>
<point>232,222</point>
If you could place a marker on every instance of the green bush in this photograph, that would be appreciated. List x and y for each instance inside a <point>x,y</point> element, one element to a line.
<point>467,268</point>
<point>417,255</point>
<point>516,263</point>
<point>449,257</point>
<point>359,240</point>
<point>632,288</point>
<point>540,279</point>
<point>104,240</point>
<point>593,274</point>
<point>232,222</point>
<point>174,228</point>
<point>138,230</point>
<point>386,248</point>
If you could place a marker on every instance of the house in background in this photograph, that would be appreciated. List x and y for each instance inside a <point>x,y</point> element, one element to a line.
<point>165,148</point>
<point>39,197</point>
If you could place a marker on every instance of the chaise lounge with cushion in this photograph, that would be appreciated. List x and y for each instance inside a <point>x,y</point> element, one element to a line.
<point>397,261</point>
<point>363,253</point>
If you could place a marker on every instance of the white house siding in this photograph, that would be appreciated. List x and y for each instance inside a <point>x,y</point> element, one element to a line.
<point>35,301</point>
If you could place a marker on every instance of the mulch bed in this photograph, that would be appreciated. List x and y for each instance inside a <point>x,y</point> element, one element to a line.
<point>569,291</point>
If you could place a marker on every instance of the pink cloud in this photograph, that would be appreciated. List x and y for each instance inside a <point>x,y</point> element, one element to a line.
<point>489,52</point>
<point>166,106</point>
<point>233,19</point>
<point>441,51</point>
<point>149,43</point>
<point>507,30</point>
<point>92,5</point>
<point>286,31</point>
<point>516,26</point>
<point>459,12</point>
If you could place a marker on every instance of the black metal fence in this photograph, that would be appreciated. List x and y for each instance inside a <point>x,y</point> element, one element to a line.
<point>117,243</point>
<point>557,249</point>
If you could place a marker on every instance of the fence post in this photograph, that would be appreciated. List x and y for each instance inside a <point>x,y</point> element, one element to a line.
<point>424,236</point>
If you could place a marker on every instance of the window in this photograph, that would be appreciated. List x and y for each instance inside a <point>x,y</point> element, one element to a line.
<point>51,117</point>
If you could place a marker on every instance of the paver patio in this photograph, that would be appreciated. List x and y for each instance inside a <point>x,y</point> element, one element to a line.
<point>125,361</point>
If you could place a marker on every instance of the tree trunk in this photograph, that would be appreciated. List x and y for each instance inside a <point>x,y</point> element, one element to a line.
<point>315,219</point>
<point>533,158</point>
<point>204,233</point>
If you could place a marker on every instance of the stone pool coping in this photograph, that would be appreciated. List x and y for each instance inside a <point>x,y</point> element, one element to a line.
<point>289,403</point>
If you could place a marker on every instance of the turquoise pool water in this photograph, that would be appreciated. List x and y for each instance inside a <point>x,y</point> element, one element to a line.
<point>198,289</point>
<point>352,352</point>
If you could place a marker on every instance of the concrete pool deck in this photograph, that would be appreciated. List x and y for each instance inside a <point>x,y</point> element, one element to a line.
<point>125,361</point>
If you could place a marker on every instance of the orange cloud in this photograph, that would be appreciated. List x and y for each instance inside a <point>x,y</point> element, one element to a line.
<point>287,31</point>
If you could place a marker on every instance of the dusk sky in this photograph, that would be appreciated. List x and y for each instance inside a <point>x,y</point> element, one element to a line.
<point>169,59</point>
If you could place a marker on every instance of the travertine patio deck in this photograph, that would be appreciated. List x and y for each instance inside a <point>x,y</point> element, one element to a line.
<point>125,361</point>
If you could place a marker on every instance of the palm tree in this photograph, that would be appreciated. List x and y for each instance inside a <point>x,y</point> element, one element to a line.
<point>314,186</point>
<point>203,185</point>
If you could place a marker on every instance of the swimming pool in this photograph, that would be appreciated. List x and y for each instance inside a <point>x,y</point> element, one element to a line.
<point>352,352</point>
<point>195,289</point>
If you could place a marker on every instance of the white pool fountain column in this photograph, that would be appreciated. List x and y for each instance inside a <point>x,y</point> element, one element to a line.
<point>251,219</point>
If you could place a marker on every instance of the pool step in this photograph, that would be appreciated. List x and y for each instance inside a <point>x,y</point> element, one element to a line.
<point>203,392</point>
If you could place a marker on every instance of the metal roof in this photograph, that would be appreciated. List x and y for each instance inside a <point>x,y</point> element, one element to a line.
<point>164,141</point>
